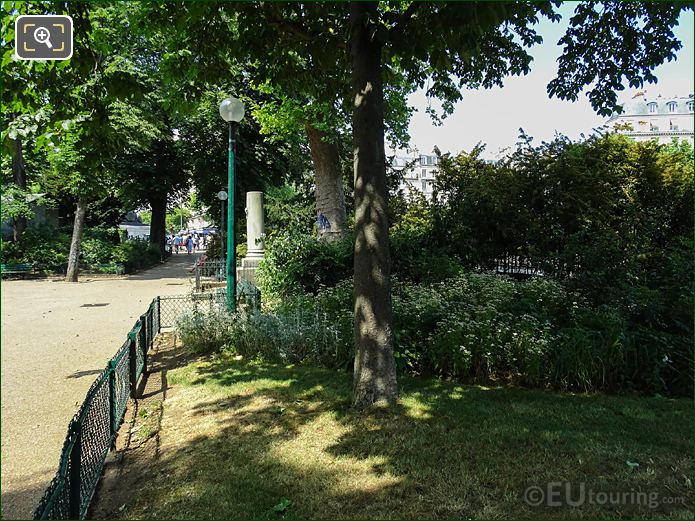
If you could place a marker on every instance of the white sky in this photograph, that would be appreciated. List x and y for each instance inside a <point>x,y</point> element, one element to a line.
<point>494,116</point>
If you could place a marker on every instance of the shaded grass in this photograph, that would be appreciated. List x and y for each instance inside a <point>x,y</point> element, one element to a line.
<point>239,438</point>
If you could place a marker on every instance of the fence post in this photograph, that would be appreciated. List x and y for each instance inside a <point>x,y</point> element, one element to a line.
<point>112,399</point>
<point>159,316</point>
<point>143,341</point>
<point>197,276</point>
<point>148,332</point>
<point>133,364</point>
<point>75,499</point>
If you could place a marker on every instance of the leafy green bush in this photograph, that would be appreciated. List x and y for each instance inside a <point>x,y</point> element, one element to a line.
<point>204,332</point>
<point>136,254</point>
<point>481,328</point>
<point>96,251</point>
<point>43,246</point>
<point>300,264</point>
<point>291,337</point>
<point>48,249</point>
<point>606,213</point>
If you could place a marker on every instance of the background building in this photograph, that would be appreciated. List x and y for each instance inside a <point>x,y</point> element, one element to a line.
<point>662,119</point>
<point>419,171</point>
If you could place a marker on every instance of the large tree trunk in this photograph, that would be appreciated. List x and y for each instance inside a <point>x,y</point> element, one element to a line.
<point>330,198</point>
<point>76,244</point>
<point>375,368</point>
<point>158,224</point>
<point>20,179</point>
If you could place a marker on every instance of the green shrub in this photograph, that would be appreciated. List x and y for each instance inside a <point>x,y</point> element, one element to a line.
<point>44,246</point>
<point>476,328</point>
<point>606,213</point>
<point>291,337</point>
<point>204,332</point>
<point>96,251</point>
<point>136,254</point>
<point>48,249</point>
<point>300,264</point>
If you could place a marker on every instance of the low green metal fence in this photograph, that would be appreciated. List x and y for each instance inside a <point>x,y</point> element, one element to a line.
<point>92,431</point>
<point>173,306</point>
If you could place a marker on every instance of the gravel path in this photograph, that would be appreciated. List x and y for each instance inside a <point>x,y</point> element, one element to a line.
<point>52,349</point>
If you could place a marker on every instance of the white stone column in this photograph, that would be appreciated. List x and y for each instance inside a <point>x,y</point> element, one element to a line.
<point>255,229</point>
<point>255,225</point>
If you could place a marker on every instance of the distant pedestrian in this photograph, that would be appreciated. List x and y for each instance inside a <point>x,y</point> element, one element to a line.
<point>189,244</point>
<point>177,243</point>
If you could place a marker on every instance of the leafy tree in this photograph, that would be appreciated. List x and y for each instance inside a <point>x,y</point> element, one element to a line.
<point>450,46</point>
<point>444,45</point>
<point>25,111</point>
<point>178,218</point>
<point>72,102</point>
<point>259,163</point>
<point>151,171</point>
<point>249,41</point>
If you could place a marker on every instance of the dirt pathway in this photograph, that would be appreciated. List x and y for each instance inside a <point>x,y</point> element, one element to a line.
<point>56,337</point>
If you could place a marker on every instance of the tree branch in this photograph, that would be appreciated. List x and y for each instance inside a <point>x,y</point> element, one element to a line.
<point>401,24</point>
<point>294,28</point>
<point>301,32</point>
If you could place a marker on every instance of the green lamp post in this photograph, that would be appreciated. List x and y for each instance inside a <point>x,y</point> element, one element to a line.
<point>232,111</point>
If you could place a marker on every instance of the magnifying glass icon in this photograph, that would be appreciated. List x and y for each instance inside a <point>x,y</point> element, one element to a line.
<point>42,35</point>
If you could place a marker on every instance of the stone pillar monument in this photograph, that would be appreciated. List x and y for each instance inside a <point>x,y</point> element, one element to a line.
<point>255,230</point>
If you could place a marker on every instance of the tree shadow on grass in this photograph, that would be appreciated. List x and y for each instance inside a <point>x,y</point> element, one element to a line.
<point>241,437</point>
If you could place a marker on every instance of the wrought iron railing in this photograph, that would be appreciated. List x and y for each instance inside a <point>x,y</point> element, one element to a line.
<point>92,431</point>
<point>213,270</point>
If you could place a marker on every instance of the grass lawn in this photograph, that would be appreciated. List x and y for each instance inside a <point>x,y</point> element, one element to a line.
<point>250,440</point>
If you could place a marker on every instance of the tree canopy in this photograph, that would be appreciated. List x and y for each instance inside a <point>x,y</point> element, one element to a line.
<point>333,69</point>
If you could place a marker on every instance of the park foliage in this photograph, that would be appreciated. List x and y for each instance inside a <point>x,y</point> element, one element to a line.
<point>103,251</point>
<point>132,118</point>
<point>608,220</point>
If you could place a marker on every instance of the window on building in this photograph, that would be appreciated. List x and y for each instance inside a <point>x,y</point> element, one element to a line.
<point>690,106</point>
<point>652,107</point>
<point>672,125</point>
<point>424,185</point>
<point>671,105</point>
<point>653,127</point>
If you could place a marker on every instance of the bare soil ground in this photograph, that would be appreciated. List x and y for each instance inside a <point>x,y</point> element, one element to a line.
<point>139,441</point>
<point>56,337</point>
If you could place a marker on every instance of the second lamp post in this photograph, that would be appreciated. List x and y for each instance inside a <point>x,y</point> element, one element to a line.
<point>232,111</point>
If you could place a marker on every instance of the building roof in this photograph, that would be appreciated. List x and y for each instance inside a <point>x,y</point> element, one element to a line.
<point>639,105</point>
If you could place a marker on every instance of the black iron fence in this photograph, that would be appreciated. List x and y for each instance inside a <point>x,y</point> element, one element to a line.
<point>212,270</point>
<point>92,431</point>
<point>516,265</point>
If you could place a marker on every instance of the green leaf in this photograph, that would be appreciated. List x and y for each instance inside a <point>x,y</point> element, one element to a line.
<point>283,505</point>
<point>7,57</point>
